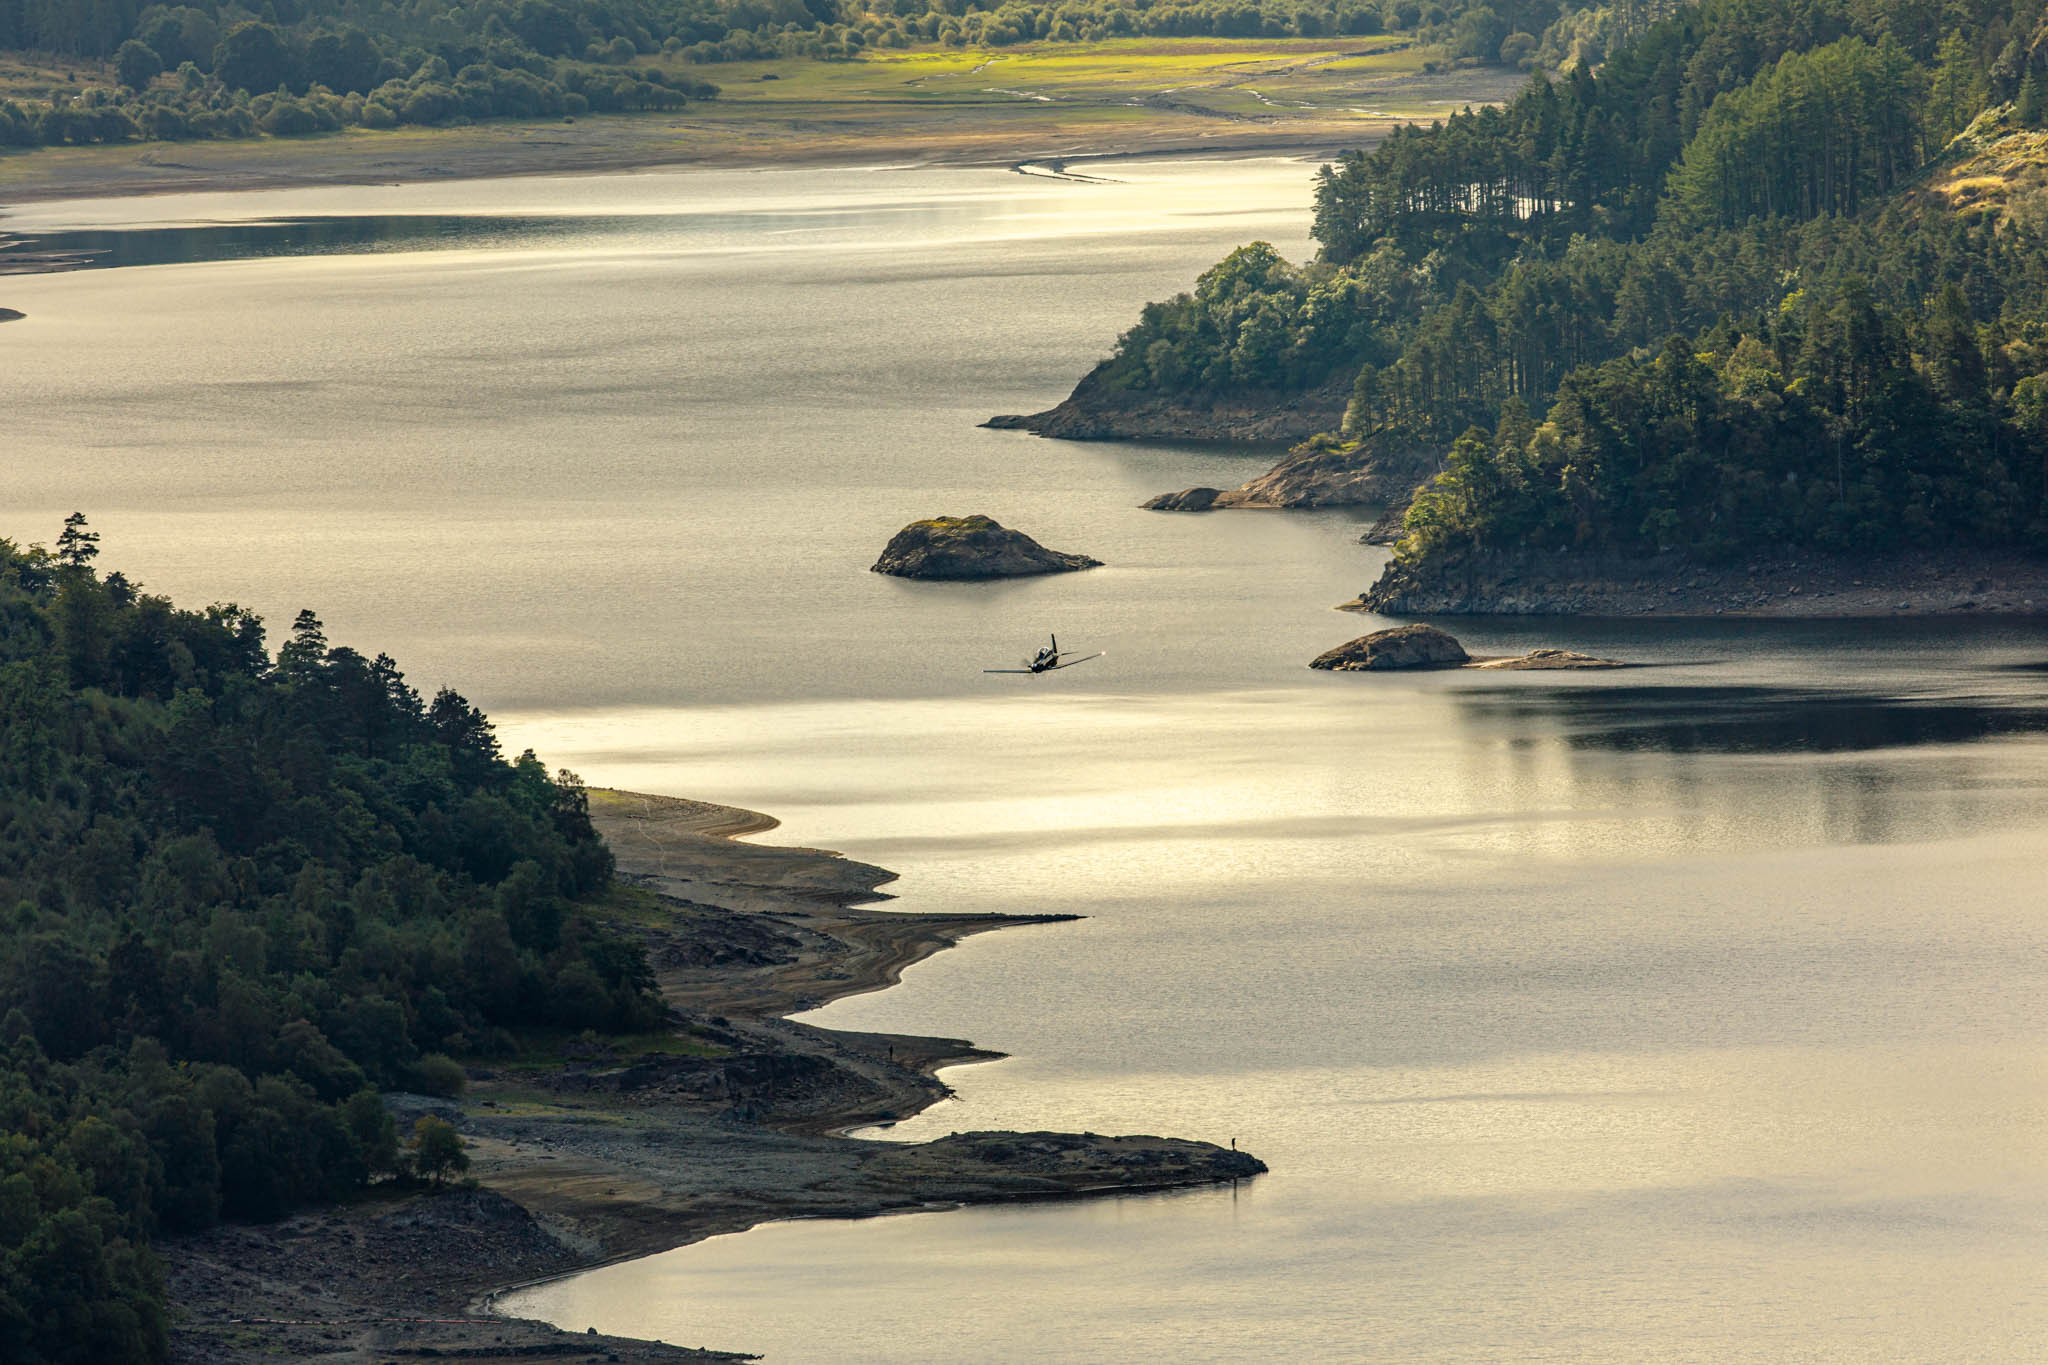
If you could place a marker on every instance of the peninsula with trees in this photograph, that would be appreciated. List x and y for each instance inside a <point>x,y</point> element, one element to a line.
<point>321,1019</point>
<point>1767,284</point>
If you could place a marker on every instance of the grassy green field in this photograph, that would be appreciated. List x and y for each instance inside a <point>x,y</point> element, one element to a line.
<point>1372,78</point>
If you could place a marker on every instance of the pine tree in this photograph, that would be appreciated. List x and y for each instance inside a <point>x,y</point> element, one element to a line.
<point>76,546</point>
<point>2033,101</point>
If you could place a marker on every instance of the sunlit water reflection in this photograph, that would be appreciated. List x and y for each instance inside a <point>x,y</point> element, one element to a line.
<point>1689,1013</point>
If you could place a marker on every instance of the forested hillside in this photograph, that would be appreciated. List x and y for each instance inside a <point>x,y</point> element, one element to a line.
<point>242,894</point>
<point>1709,296</point>
<point>290,67</point>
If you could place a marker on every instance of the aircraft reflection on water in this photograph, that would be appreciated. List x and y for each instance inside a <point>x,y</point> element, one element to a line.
<point>1047,660</point>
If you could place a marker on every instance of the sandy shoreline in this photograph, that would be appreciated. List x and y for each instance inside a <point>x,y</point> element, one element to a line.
<point>597,1156</point>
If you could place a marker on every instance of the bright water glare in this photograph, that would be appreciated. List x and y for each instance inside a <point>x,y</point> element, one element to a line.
<point>1691,1013</point>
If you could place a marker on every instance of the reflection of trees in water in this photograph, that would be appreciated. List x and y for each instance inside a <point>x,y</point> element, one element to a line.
<point>1752,720</point>
<point>356,234</point>
<point>323,236</point>
<point>1689,768</point>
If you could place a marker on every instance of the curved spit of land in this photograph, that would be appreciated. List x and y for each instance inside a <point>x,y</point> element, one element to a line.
<point>591,1152</point>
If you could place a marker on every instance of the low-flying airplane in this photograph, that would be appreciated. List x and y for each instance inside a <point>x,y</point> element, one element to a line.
<point>1048,659</point>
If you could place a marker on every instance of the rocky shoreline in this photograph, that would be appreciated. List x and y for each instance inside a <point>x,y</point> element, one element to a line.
<point>1322,472</point>
<point>1530,583</point>
<point>597,1155</point>
<point>1319,470</point>
<point>1095,412</point>
<point>1423,647</point>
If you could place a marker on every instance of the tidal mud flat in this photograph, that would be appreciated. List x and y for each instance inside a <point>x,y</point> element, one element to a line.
<point>600,1155</point>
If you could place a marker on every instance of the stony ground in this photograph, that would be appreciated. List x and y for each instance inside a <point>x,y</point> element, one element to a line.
<point>604,1151</point>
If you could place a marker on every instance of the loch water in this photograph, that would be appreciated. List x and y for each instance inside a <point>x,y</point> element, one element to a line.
<point>1690,1013</point>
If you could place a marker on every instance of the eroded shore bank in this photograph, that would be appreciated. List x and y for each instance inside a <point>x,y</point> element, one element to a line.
<point>601,1154</point>
<point>1789,583</point>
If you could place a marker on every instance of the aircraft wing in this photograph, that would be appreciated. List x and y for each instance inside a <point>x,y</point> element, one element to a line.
<point>1006,670</point>
<point>1082,660</point>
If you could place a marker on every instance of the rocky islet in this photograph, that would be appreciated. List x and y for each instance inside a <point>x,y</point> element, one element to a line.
<point>1419,646</point>
<point>972,547</point>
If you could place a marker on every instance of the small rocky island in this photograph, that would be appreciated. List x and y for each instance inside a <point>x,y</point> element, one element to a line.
<point>1420,646</point>
<point>970,548</point>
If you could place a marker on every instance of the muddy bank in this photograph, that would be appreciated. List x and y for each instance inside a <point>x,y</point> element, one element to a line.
<point>1096,412</point>
<point>599,1152</point>
<point>1914,583</point>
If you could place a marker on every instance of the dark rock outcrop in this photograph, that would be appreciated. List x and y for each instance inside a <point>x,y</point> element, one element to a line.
<point>1315,475</point>
<point>1320,473</point>
<point>1420,646</point>
<point>969,548</point>
<point>1098,1161</point>
<point>1097,412</point>
<point>1187,500</point>
<point>1415,646</point>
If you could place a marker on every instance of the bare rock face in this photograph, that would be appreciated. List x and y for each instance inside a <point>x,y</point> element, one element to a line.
<point>969,548</point>
<point>1416,646</point>
<point>1099,411</point>
<point>1547,658</point>
<point>1322,476</point>
<point>1187,500</point>
<point>1320,473</point>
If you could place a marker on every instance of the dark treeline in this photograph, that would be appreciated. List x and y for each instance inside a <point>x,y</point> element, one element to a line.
<point>304,66</point>
<point>241,895</point>
<point>1708,264</point>
<point>203,73</point>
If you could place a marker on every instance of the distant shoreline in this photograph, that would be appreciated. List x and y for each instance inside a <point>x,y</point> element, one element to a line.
<point>1789,583</point>
<point>614,144</point>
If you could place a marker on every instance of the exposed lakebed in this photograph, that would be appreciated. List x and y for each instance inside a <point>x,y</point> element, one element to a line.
<point>1685,1013</point>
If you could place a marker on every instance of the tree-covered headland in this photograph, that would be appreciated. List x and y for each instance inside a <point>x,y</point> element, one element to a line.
<point>287,67</point>
<point>1755,280</point>
<point>240,894</point>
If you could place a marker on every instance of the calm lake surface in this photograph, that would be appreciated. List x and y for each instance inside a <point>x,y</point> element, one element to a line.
<point>1690,1013</point>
